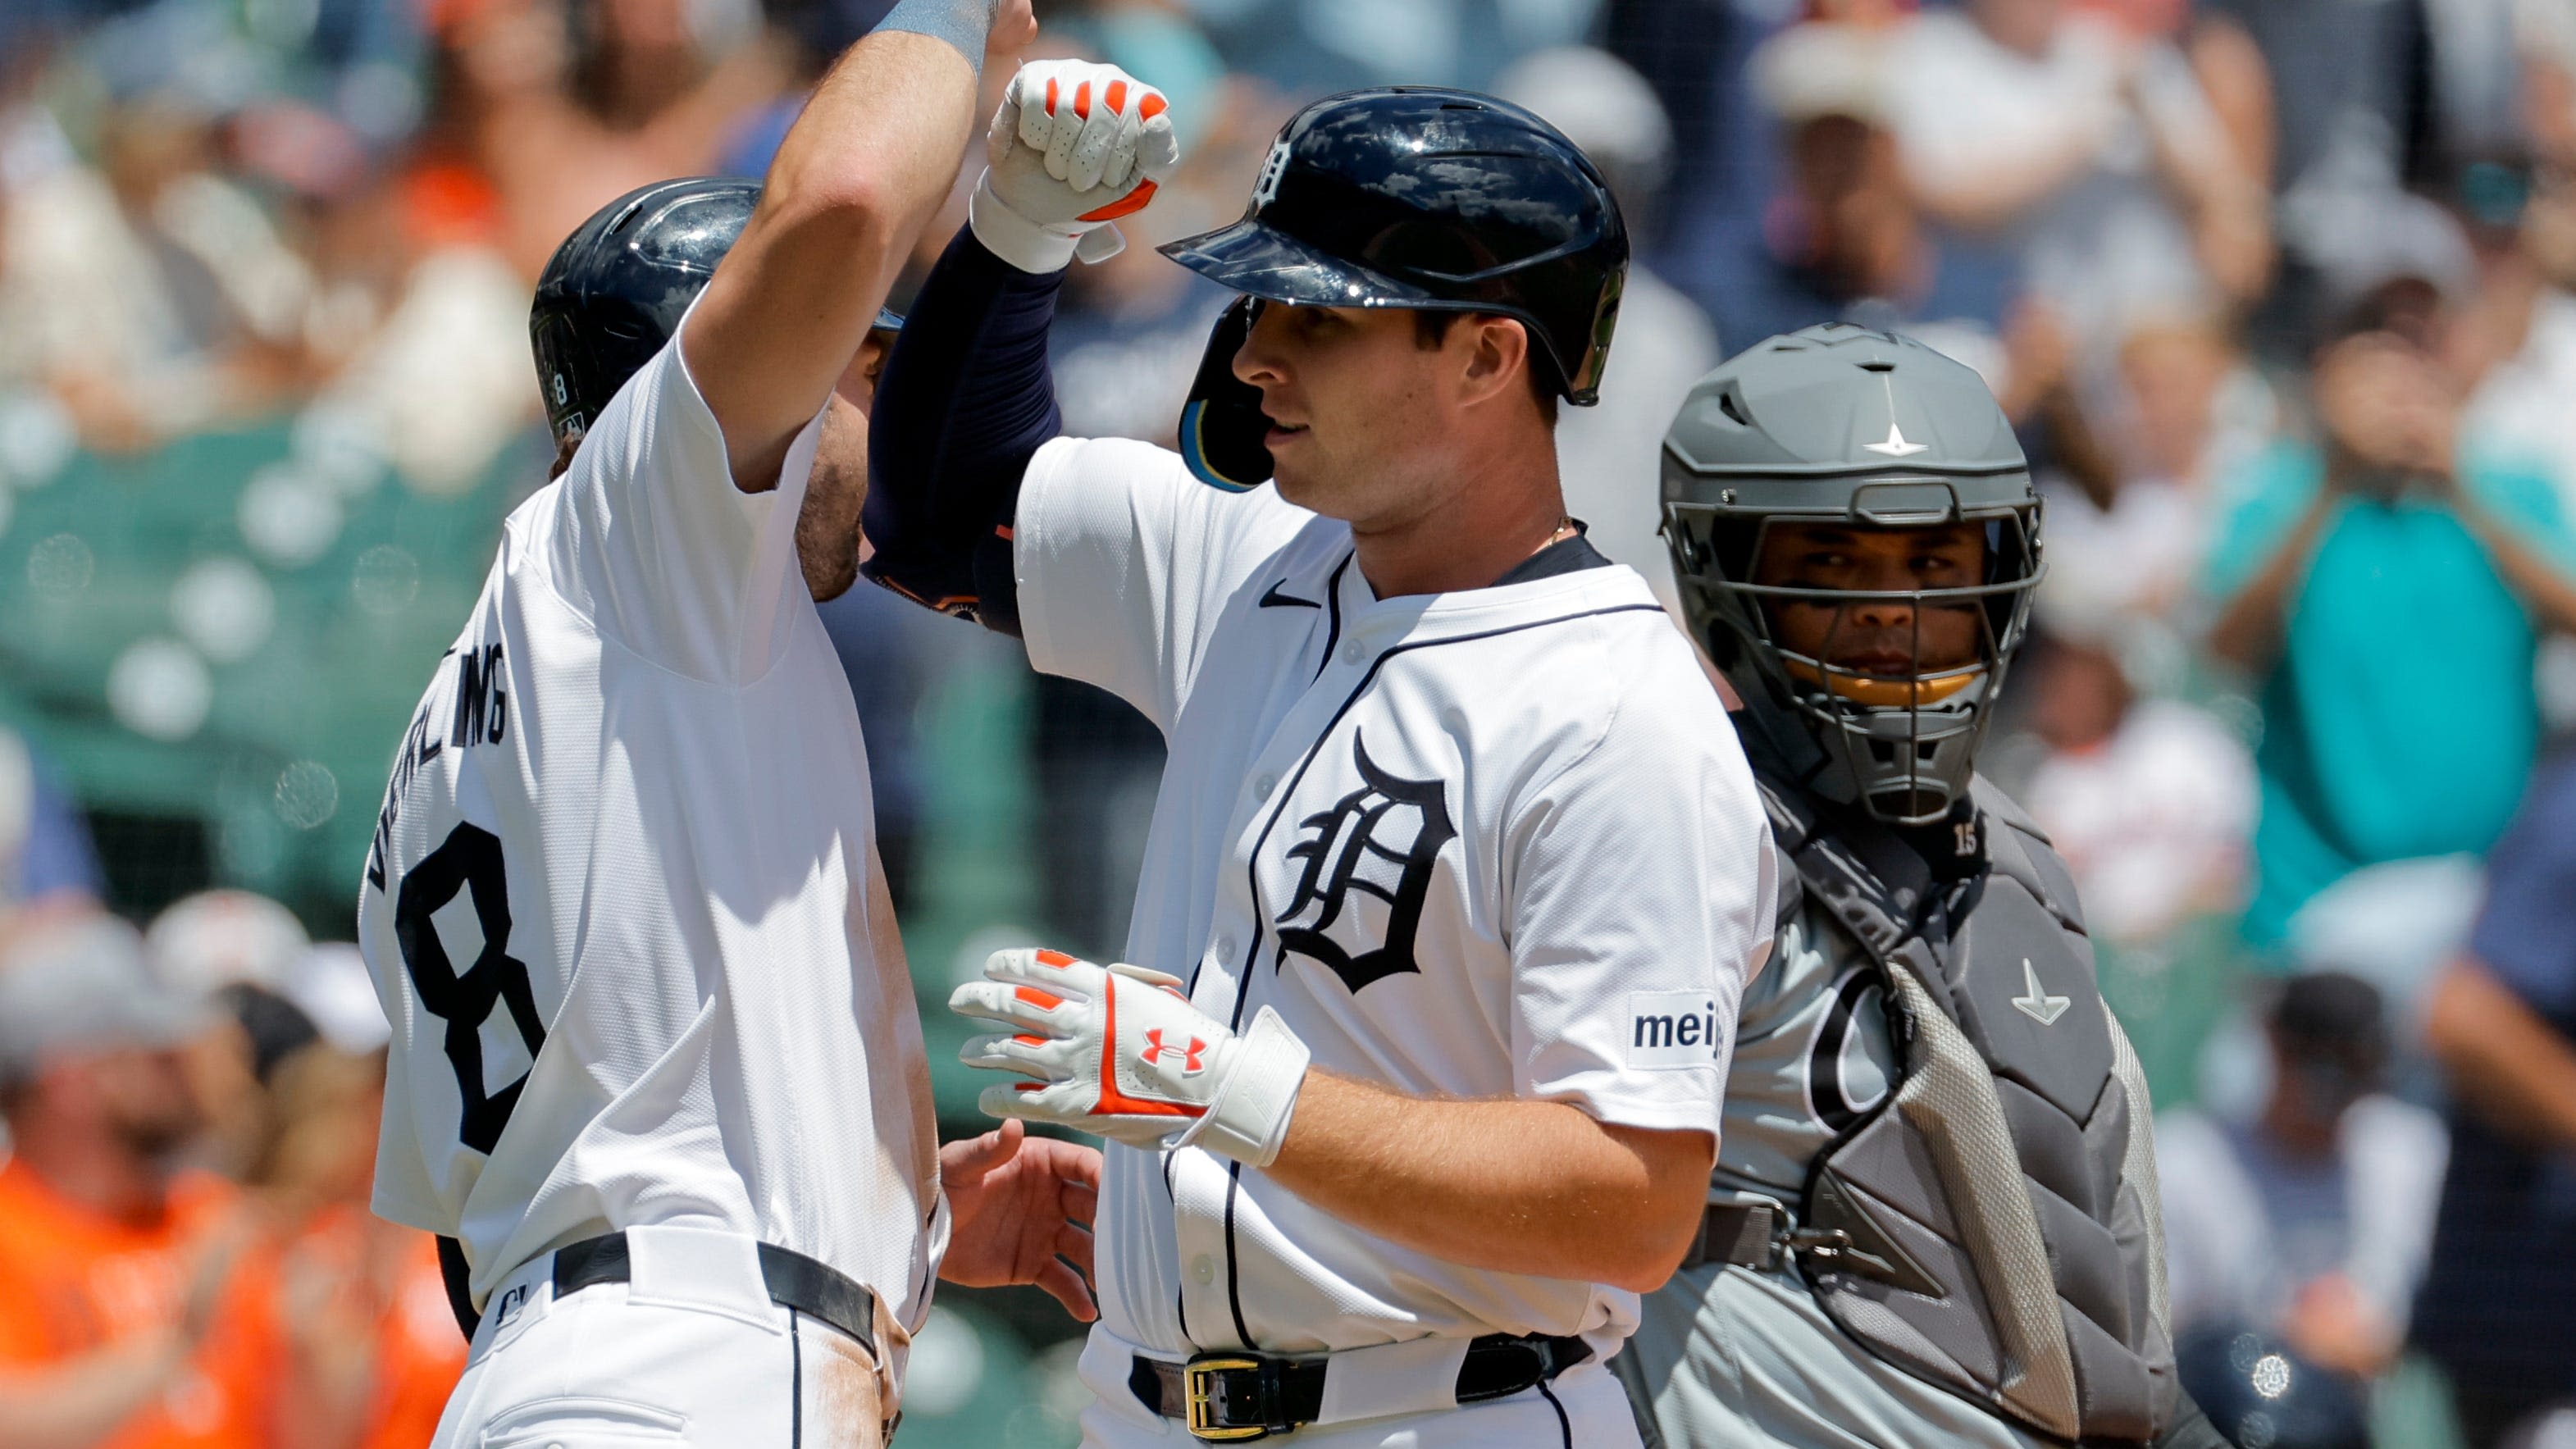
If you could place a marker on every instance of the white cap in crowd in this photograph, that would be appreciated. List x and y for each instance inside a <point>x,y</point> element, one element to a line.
<point>80,984</point>
<point>1601,104</point>
<point>1809,72</point>
<point>217,938</point>
<point>330,984</point>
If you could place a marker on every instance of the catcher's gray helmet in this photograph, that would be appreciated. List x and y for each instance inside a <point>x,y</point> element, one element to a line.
<point>1842,425</point>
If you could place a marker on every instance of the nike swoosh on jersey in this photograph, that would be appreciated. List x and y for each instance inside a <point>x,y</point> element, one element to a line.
<point>1273,599</point>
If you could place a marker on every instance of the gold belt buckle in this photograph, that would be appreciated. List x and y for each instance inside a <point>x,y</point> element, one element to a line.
<point>1200,1377</point>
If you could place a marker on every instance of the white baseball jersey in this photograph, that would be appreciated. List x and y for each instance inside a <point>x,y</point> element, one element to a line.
<point>1499,843</point>
<point>618,907</point>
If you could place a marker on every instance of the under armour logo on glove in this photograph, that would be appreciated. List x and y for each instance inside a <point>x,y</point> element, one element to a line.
<point>1190,1064</point>
<point>1119,1050</point>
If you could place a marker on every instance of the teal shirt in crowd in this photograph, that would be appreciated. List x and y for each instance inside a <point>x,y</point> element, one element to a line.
<point>2400,719</point>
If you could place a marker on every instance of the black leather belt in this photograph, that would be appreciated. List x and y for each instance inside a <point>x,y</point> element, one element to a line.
<point>795,1281</point>
<point>1735,1232</point>
<point>1758,1235</point>
<point>1246,1396</point>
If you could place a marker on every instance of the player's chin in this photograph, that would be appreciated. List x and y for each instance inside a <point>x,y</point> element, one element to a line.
<point>1300,481</point>
<point>827,551</point>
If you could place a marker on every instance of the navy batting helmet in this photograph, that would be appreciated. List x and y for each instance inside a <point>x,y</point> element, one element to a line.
<point>1410,197</point>
<point>617,288</point>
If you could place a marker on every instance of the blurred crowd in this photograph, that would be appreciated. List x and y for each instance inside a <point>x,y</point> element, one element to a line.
<point>2282,294</point>
<point>186,1255</point>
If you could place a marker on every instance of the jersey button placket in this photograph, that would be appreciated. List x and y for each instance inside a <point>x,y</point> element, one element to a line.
<point>1200,1184</point>
<point>1219,984</point>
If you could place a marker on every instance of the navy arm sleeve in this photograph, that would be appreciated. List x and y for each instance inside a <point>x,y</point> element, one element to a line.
<point>965,402</point>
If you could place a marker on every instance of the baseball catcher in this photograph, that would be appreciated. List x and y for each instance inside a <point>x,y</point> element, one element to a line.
<point>1934,1214</point>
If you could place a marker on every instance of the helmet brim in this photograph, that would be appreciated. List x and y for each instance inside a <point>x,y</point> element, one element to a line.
<point>1251,258</point>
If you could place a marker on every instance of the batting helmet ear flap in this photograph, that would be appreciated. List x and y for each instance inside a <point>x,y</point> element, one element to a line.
<point>1222,426</point>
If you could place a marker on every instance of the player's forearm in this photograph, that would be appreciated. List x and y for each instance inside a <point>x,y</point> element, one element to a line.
<point>878,145</point>
<point>2547,593</point>
<point>1984,195</point>
<point>2248,631</point>
<point>966,401</point>
<point>874,153</point>
<point>78,1403</point>
<point>1522,1187</point>
<point>2508,1064</point>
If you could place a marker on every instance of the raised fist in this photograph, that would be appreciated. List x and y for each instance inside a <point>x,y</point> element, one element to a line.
<point>1075,145</point>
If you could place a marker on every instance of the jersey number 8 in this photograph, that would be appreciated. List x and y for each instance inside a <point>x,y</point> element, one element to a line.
<point>469,861</point>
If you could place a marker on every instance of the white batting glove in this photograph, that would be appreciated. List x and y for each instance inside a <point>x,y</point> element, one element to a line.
<point>1119,1051</point>
<point>1075,145</point>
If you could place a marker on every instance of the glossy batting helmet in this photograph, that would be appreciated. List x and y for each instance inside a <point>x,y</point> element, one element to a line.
<point>1839,425</point>
<point>1410,197</point>
<point>617,288</point>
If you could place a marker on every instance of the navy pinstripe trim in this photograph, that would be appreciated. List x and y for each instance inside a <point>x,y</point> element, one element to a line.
<point>1180,1295</point>
<point>1233,1299</point>
<point>795,1383</point>
<point>1333,607</point>
<point>1278,807</point>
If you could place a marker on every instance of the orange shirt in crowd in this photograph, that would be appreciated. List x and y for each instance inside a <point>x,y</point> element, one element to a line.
<point>400,1298</point>
<point>73,1281</point>
<point>421,1357</point>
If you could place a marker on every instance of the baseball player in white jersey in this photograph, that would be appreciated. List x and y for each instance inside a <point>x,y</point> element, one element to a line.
<point>656,1074</point>
<point>1456,874</point>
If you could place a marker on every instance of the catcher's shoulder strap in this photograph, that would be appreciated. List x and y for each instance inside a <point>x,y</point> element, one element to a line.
<point>1871,882</point>
<point>1991,1226</point>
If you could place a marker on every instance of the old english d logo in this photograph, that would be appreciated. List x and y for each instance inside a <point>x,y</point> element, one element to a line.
<point>1381,838</point>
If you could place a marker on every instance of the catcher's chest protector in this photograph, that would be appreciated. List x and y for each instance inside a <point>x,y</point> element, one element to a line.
<point>1991,1226</point>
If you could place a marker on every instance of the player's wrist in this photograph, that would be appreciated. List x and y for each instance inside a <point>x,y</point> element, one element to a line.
<point>1249,1114</point>
<point>1030,246</point>
<point>964,24</point>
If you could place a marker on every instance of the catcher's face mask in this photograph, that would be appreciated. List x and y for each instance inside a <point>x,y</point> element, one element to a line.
<point>1885,643</point>
<point>1870,614</point>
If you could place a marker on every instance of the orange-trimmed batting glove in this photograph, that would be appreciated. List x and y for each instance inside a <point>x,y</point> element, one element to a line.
<point>1075,145</point>
<point>1119,1051</point>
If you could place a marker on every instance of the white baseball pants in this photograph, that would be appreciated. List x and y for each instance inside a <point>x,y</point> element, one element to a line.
<point>691,1352</point>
